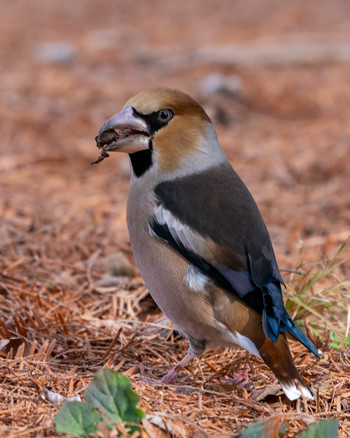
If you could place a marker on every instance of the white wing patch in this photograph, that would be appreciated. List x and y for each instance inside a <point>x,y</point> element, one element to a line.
<point>182,233</point>
<point>194,279</point>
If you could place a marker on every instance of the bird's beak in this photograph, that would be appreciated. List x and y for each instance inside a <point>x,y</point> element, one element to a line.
<point>125,132</point>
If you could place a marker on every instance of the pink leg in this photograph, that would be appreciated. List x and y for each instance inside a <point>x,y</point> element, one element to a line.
<point>242,378</point>
<point>169,378</point>
<point>172,374</point>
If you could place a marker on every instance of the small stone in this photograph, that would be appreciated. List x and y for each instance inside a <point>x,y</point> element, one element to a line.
<point>118,264</point>
<point>215,83</point>
<point>55,53</point>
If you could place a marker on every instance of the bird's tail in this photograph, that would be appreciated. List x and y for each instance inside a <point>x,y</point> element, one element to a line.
<point>290,327</point>
<point>275,318</point>
<point>277,356</point>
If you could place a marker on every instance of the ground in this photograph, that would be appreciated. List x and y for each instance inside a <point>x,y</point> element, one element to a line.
<point>274,77</point>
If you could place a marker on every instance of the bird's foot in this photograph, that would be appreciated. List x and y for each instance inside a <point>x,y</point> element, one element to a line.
<point>241,380</point>
<point>169,379</point>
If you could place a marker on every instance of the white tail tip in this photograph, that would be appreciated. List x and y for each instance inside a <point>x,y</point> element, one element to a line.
<point>293,391</point>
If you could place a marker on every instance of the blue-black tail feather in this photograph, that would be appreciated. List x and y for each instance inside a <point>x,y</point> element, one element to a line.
<point>276,319</point>
<point>291,328</point>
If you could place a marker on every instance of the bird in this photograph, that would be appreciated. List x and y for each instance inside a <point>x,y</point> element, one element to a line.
<point>198,237</point>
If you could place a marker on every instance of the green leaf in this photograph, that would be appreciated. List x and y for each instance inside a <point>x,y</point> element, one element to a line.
<point>260,430</point>
<point>322,429</point>
<point>334,337</point>
<point>111,392</point>
<point>334,345</point>
<point>255,430</point>
<point>77,419</point>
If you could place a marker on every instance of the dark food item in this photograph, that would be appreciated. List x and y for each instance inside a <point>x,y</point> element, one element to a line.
<point>103,140</point>
<point>107,137</point>
<point>102,156</point>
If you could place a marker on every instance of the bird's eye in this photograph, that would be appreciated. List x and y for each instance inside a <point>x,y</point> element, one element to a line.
<point>164,115</point>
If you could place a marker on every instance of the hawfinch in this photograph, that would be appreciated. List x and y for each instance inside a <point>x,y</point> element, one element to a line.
<point>198,237</point>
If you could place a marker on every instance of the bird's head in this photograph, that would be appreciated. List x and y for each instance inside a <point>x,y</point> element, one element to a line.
<point>162,129</point>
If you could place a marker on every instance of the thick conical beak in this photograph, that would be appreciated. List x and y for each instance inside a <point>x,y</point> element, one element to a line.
<point>124,132</point>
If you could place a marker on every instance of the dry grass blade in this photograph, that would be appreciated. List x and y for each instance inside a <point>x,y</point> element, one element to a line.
<point>323,297</point>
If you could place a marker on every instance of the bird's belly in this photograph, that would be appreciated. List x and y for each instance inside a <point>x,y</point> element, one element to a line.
<point>165,274</point>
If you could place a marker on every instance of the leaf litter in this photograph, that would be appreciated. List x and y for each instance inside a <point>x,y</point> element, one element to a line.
<point>64,315</point>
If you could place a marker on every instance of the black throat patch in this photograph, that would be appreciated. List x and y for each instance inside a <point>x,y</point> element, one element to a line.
<point>141,161</point>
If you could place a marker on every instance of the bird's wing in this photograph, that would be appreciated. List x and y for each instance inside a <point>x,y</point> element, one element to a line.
<point>212,221</point>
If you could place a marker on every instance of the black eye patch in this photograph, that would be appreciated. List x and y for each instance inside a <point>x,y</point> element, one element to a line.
<point>157,119</point>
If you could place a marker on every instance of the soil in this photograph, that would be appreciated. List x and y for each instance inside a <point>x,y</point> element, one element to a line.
<point>274,78</point>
